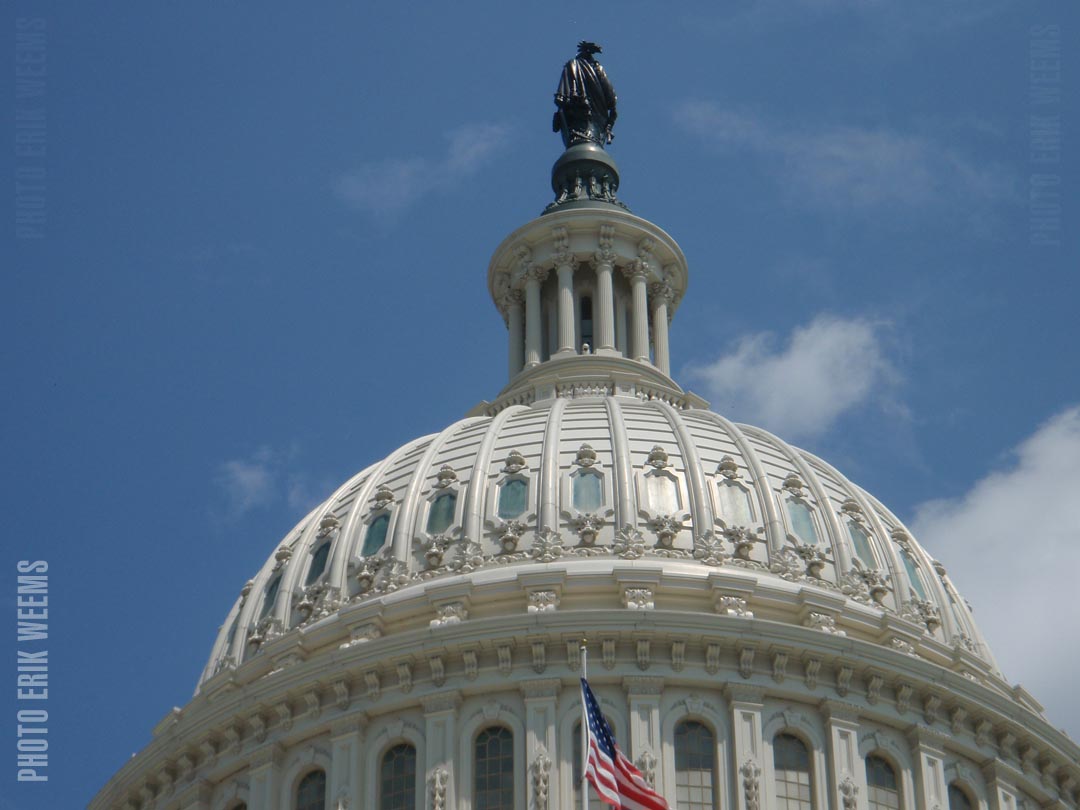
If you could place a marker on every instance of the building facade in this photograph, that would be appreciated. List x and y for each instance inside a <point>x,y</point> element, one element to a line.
<point>761,632</point>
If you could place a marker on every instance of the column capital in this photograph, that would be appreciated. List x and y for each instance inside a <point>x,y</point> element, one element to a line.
<point>509,299</point>
<point>605,251</point>
<point>541,688</point>
<point>637,269</point>
<point>643,685</point>
<point>661,291</point>
<point>741,693</point>
<point>536,273</point>
<point>441,703</point>
<point>838,710</point>
<point>926,739</point>
<point>561,252</point>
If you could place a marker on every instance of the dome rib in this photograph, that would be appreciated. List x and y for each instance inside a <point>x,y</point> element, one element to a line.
<point>548,491</point>
<point>622,467</point>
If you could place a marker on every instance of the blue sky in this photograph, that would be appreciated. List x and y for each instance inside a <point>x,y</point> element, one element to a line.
<point>262,268</point>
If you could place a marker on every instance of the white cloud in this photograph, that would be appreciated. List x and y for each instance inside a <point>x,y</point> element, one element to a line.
<point>850,168</point>
<point>1012,546</point>
<point>800,389</point>
<point>247,483</point>
<point>383,189</point>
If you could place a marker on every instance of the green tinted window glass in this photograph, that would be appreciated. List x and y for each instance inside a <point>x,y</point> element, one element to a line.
<point>913,575</point>
<point>441,514</point>
<point>512,496</point>
<point>376,535</point>
<point>861,543</point>
<point>735,505</point>
<point>318,563</point>
<point>663,494</point>
<point>588,492</point>
<point>270,597</point>
<point>802,524</point>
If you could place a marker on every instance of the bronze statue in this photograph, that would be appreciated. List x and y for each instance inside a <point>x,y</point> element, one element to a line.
<point>586,100</point>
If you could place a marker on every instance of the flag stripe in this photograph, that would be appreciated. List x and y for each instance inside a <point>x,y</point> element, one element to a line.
<point>607,769</point>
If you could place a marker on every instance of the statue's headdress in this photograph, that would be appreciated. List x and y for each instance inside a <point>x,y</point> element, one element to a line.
<point>589,48</point>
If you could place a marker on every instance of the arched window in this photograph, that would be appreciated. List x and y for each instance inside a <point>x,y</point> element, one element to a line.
<point>512,498</point>
<point>376,535</point>
<point>883,792</point>
<point>802,524</point>
<point>588,492</point>
<point>958,798</point>
<point>397,778</point>
<point>735,506</point>
<point>311,792</point>
<point>861,542</point>
<point>493,783</point>
<point>441,513</point>
<point>318,563</point>
<point>695,766</point>
<point>270,597</point>
<point>791,763</point>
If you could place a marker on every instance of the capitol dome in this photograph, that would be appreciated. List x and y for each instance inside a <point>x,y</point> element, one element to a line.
<point>762,632</point>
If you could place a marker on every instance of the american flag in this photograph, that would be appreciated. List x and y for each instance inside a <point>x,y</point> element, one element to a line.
<point>615,778</point>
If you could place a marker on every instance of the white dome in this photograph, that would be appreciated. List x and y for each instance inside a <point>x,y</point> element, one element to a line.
<point>579,479</point>
<point>731,585</point>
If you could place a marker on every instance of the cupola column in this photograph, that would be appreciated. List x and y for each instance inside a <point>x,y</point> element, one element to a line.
<point>566,309</point>
<point>604,265</point>
<point>515,323</point>
<point>661,297</point>
<point>564,267</point>
<point>532,315</point>
<point>639,312</point>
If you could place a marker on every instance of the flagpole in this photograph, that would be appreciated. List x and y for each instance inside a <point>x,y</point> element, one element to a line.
<point>584,726</point>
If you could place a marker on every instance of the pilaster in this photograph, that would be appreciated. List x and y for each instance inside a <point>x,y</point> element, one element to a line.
<point>847,774</point>
<point>929,756</point>
<point>265,777</point>
<point>1000,791</point>
<point>541,752</point>
<point>346,765</point>
<point>747,703</point>
<point>440,743</point>
<point>644,694</point>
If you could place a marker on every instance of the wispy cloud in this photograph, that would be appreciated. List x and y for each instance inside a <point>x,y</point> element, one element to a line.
<point>384,189</point>
<point>1012,545</point>
<point>247,483</point>
<point>801,387</point>
<point>266,478</point>
<point>849,168</point>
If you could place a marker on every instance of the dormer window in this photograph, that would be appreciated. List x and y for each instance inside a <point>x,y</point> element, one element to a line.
<point>441,514</point>
<point>512,498</point>
<point>376,535</point>
<point>318,563</point>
